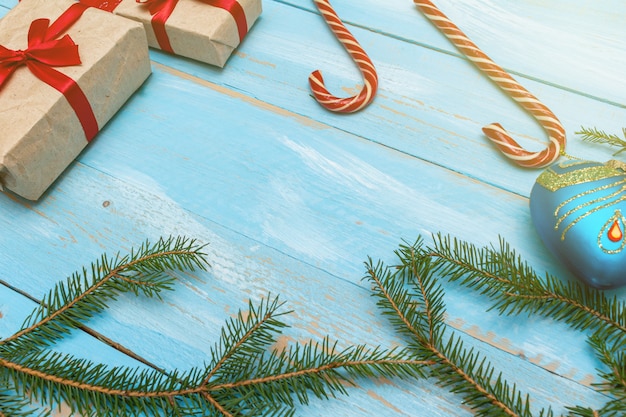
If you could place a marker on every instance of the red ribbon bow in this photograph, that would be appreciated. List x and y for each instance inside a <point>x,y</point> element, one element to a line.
<point>45,52</point>
<point>162,9</point>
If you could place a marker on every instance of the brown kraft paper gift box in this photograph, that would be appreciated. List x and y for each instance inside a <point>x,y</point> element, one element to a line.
<point>204,30</point>
<point>41,132</point>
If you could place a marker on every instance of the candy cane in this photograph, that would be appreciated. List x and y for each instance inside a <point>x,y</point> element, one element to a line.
<point>316,81</point>
<point>495,132</point>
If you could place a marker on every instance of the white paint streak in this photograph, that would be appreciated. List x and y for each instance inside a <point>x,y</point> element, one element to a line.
<point>570,54</point>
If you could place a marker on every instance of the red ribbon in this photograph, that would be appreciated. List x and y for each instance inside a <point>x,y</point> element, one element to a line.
<point>44,52</point>
<point>162,9</point>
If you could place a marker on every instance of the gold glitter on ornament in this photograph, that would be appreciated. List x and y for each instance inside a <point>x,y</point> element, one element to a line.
<point>553,181</point>
<point>617,193</point>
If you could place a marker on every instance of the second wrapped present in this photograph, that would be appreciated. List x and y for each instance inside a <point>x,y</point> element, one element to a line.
<point>204,30</point>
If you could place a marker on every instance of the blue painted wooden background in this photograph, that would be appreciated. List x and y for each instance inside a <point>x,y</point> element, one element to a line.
<point>293,199</point>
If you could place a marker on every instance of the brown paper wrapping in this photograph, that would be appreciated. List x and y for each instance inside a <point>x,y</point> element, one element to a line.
<point>196,30</point>
<point>41,134</point>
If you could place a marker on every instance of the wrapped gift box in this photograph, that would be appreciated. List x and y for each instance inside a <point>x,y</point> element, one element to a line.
<point>42,133</point>
<point>204,30</point>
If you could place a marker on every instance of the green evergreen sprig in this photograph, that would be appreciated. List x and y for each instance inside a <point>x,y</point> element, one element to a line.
<point>594,135</point>
<point>246,377</point>
<point>501,274</point>
<point>71,303</point>
<point>410,295</point>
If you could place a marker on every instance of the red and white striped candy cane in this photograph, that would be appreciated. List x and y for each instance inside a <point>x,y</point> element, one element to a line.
<point>496,133</point>
<point>316,81</point>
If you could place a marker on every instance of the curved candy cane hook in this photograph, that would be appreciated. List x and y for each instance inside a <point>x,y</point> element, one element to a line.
<point>316,81</point>
<point>495,132</point>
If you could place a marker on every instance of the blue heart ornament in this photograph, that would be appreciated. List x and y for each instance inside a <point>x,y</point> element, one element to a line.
<point>577,208</point>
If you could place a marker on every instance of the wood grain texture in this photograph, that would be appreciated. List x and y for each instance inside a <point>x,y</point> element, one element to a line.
<point>292,198</point>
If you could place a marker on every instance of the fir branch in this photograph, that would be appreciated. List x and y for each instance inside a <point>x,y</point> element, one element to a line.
<point>272,381</point>
<point>53,379</point>
<point>84,294</point>
<point>244,339</point>
<point>287,377</point>
<point>594,135</point>
<point>396,302</point>
<point>615,408</point>
<point>515,287</point>
<point>503,276</point>
<point>247,378</point>
<point>413,300</point>
<point>244,377</point>
<point>613,356</point>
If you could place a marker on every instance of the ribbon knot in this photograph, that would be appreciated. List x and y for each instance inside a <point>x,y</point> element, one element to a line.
<point>41,52</point>
<point>20,56</point>
<point>45,52</point>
